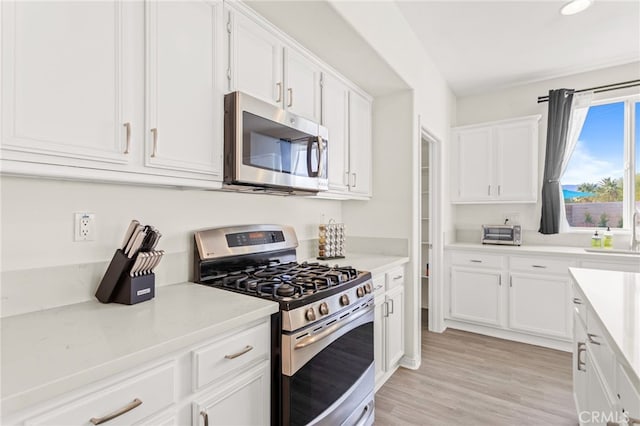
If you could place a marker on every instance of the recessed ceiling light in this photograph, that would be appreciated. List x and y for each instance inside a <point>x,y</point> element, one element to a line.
<point>575,6</point>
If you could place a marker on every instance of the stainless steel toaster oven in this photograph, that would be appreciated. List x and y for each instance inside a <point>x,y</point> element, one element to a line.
<point>510,235</point>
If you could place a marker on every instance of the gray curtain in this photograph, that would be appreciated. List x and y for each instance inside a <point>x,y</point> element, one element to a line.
<point>557,129</point>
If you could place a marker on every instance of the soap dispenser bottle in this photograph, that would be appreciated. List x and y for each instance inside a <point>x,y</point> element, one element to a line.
<point>596,241</point>
<point>608,239</point>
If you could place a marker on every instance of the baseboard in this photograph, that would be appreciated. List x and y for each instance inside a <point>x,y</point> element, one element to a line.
<point>410,363</point>
<point>561,345</point>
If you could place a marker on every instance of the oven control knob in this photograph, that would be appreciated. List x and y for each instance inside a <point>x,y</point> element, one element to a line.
<point>310,315</point>
<point>360,291</point>
<point>324,309</point>
<point>367,288</point>
<point>344,300</point>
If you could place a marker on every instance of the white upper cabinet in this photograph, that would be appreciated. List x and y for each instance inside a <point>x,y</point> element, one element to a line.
<point>255,59</point>
<point>496,162</point>
<point>114,91</point>
<point>303,84</point>
<point>64,77</point>
<point>335,117</point>
<point>360,148</point>
<point>184,86</point>
<point>265,65</point>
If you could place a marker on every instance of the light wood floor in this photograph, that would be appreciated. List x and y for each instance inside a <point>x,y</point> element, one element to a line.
<point>469,379</point>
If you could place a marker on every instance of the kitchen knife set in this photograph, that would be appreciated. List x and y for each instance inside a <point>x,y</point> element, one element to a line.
<point>129,279</point>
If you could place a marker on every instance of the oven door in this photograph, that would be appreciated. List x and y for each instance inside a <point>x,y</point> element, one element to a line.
<point>273,148</point>
<point>331,379</point>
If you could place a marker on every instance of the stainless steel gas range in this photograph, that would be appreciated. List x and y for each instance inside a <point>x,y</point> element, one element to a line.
<point>322,338</point>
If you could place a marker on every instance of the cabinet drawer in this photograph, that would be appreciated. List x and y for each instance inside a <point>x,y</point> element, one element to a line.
<point>378,284</point>
<point>477,259</point>
<point>599,348</point>
<point>230,354</point>
<point>540,265</point>
<point>629,394</point>
<point>395,277</point>
<point>579,305</point>
<point>144,394</point>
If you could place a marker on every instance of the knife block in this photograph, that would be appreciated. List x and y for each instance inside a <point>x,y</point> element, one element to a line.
<point>132,290</point>
<point>118,268</point>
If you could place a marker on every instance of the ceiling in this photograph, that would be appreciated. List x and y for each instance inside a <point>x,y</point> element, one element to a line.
<point>482,45</point>
<point>478,46</point>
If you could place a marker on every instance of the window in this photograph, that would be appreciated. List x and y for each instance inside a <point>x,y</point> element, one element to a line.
<point>601,185</point>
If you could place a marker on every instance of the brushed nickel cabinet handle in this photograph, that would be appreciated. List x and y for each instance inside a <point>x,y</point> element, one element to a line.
<point>154,152</point>
<point>355,176</point>
<point>475,261</point>
<point>290,92</point>
<point>632,421</point>
<point>498,189</point>
<point>500,280</point>
<point>582,348</point>
<point>397,277</point>
<point>392,306</point>
<point>205,416</point>
<point>237,354</point>
<point>386,311</point>
<point>127,126</point>
<point>489,190</point>
<point>346,175</point>
<point>577,301</point>
<point>279,86</point>
<point>130,406</point>
<point>378,287</point>
<point>590,337</point>
<point>539,266</point>
<point>510,281</point>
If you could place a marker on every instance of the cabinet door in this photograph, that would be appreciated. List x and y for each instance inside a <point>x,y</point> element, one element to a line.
<point>184,104</point>
<point>579,364</point>
<point>516,161</point>
<point>475,295</point>
<point>243,401</point>
<point>475,165</point>
<point>64,76</point>
<point>378,337</point>
<point>360,155</point>
<point>395,327</point>
<point>540,304</point>
<point>335,117</point>
<point>600,408</point>
<point>302,77</point>
<point>256,60</point>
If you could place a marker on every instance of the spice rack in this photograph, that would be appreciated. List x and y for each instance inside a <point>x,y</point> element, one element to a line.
<point>331,241</point>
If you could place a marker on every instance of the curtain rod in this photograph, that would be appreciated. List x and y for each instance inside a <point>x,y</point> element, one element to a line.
<point>599,89</point>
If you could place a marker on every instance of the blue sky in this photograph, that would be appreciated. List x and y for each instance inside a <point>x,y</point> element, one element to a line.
<point>600,149</point>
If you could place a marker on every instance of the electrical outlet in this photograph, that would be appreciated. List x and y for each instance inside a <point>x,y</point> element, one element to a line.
<point>511,218</point>
<point>84,227</point>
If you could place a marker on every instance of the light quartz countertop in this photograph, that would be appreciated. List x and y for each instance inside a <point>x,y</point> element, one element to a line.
<point>572,252</point>
<point>374,263</point>
<point>50,352</point>
<point>615,299</point>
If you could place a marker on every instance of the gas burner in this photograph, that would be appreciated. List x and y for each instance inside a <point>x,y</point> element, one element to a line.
<point>286,290</point>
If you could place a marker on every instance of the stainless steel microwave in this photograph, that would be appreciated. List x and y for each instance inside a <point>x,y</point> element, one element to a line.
<point>267,148</point>
<point>502,234</point>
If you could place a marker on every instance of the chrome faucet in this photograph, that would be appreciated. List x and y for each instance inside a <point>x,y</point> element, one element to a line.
<point>635,241</point>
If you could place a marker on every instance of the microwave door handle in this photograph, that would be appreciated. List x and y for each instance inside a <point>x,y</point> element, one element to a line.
<point>321,157</point>
<point>310,143</point>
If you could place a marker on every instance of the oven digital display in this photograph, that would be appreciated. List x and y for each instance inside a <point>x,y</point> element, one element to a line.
<point>242,239</point>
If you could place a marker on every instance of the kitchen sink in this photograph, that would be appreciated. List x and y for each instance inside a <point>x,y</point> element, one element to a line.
<point>615,251</point>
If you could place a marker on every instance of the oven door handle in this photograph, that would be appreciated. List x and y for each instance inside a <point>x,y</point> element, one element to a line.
<point>332,329</point>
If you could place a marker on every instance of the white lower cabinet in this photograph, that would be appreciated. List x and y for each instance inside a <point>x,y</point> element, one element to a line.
<point>525,298</point>
<point>212,381</point>
<point>388,327</point>
<point>530,294</point>
<point>229,405</point>
<point>476,295</point>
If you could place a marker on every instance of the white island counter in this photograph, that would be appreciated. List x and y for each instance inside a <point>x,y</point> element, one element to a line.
<point>607,345</point>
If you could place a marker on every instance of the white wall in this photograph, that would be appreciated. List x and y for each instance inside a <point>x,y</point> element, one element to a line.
<point>519,101</point>
<point>37,217</point>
